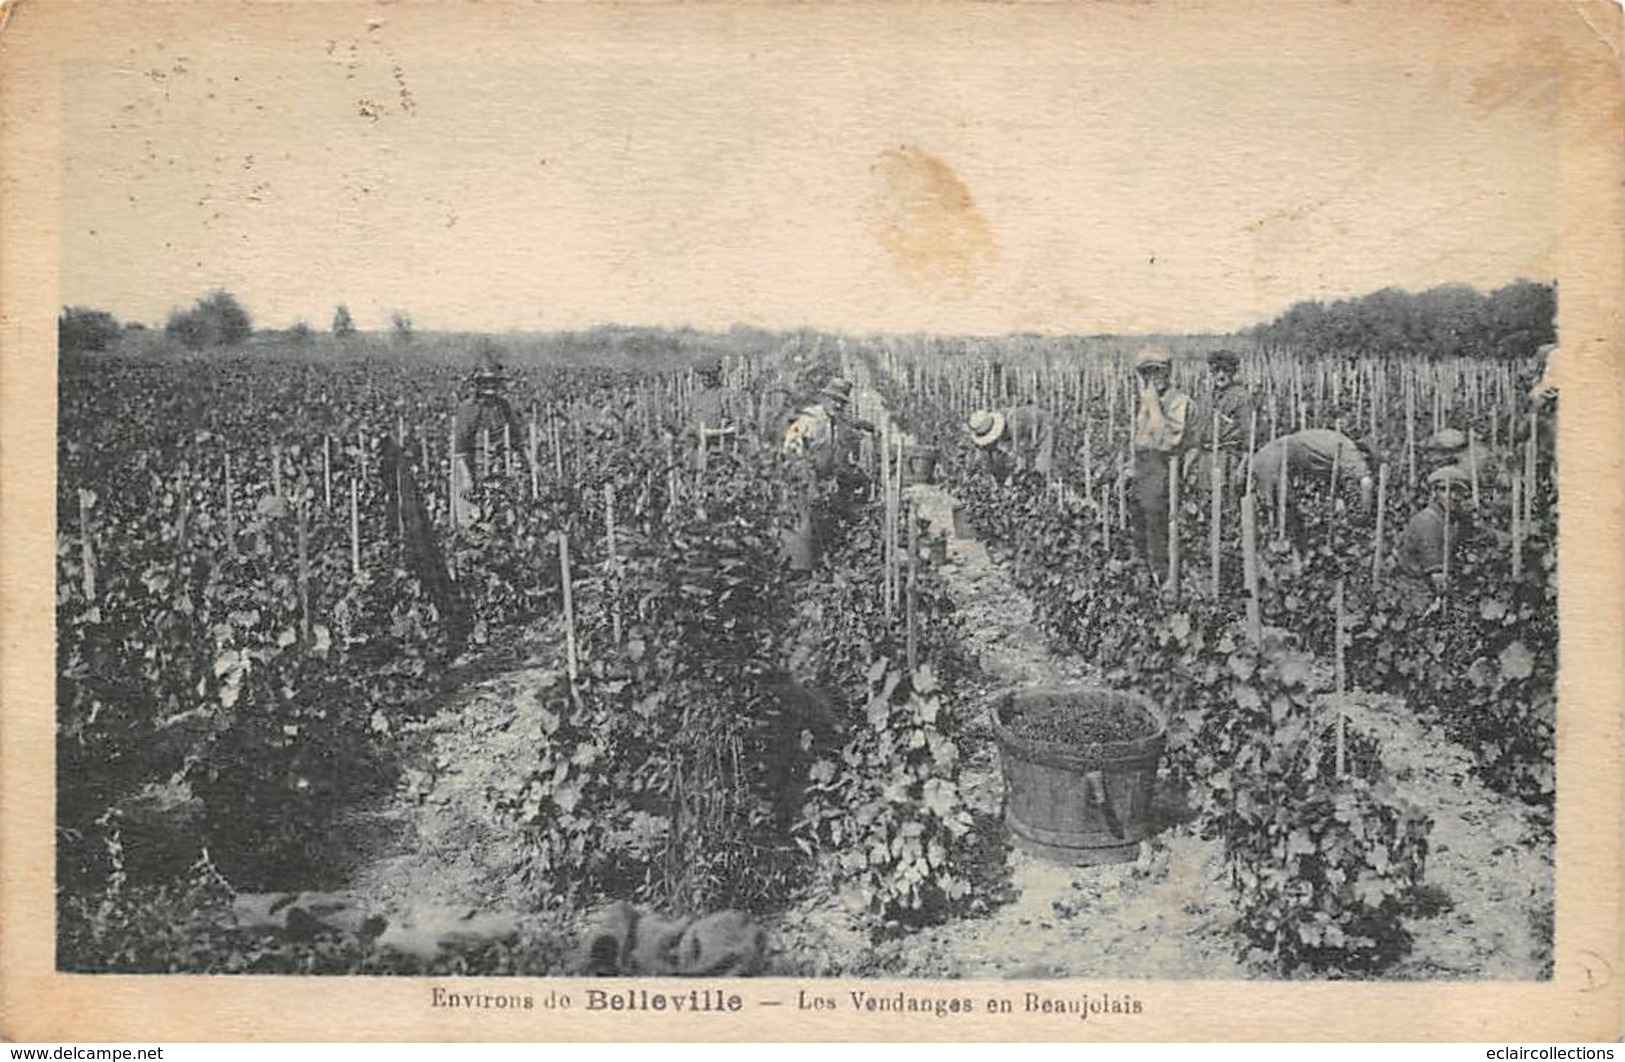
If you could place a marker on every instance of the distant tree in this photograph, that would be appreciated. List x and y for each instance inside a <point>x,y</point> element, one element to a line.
<point>401,323</point>
<point>1452,320</point>
<point>343,323</point>
<point>216,320</point>
<point>300,332</point>
<point>81,328</point>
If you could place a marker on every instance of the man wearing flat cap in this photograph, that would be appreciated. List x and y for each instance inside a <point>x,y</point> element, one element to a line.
<point>1422,544</point>
<point>1230,413</point>
<point>1159,441</point>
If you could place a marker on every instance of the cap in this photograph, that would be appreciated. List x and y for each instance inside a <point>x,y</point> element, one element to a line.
<point>1151,357</point>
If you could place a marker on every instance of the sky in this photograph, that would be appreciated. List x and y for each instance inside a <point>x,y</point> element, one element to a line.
<point>961,184</point>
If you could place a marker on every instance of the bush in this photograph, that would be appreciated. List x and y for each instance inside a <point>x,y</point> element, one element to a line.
<point>343,323</point>
<point>216,320</point>
<point>81,328</point>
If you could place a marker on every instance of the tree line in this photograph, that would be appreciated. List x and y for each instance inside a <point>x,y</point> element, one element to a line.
<point>1453,320</point>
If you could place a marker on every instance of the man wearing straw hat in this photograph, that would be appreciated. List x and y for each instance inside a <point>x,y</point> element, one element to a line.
<point>1020,440</point>
<point>482,421</point>
<point>1422,544</point>
<point>1159,439</point>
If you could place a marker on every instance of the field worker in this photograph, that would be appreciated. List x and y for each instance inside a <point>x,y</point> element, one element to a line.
<point>1450,448</point>
<point>1020,440</point>
<point>1305,455</point>
<point>774,412</point>
<point>1159,439</point>
<point>480,422</point>
<point>1422,544</point>
<point>850,429</point>
<point>1232,405</point>
<point>814,437</point>
<point>716,412</point>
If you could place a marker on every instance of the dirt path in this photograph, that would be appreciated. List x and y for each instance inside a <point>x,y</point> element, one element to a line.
<point>1169,914</point>
<point>438,838</point>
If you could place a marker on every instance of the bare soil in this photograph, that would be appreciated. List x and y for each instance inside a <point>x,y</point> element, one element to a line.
<point>1165,915</point>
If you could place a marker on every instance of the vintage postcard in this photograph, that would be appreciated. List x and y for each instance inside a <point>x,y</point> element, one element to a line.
<point>728,521</point>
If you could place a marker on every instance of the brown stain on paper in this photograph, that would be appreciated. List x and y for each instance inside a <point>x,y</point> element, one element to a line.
<point>926,220</point>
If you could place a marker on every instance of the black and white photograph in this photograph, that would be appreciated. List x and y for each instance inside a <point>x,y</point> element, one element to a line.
<point>640,491</point>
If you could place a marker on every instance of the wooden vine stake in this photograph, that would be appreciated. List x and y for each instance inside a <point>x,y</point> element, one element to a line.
<point>558,448</point>
<point>1280,498</point>
<point>1382,504</point>
<point>1529,473</point>
<point>302,531</point>
<point>485,455</point>
<point>1252,448</point>
<point>327,471</point>
<point>451,474</point>
<point>1472,464</point>
<point>913,560</point>
<point>1249,562</point>
<point>231,515</point>
<point>355,525</point>
<point>535,481</point>
<point>1342,679</point>
<point>569,606</point>
<point>614,562</point>
<point>507,451</point>
<point>87,546</point>
<point>276,469</point>
<point>1122,491</point>
<point>1173,524</point>
<point>1517,529</point>
<point>1216,493</point>
<point>1410,438</point>
<point>1449,503</point>
<point>1105,518</point>
<point>886,567</point>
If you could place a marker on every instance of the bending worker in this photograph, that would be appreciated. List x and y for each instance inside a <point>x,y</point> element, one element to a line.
<point>1159,439</point>
<point>1021,440</point>
<point>1295,459</point>
<point>484,425</point>
<point>821,436</point>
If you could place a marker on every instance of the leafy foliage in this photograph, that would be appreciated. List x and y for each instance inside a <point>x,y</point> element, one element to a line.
<point>215,320</point>
<point>80,328</point>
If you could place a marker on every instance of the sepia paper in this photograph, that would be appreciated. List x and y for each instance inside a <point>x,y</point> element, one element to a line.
<point>1085,168</point>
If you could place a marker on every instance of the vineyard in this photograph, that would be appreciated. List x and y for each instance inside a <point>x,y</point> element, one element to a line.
<point>609,683</point>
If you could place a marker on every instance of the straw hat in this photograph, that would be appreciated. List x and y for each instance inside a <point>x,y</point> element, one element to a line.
<point>1446,441</point>
<point>1224,359</point>
<point>1151,357</point>
<point>986,425</point>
